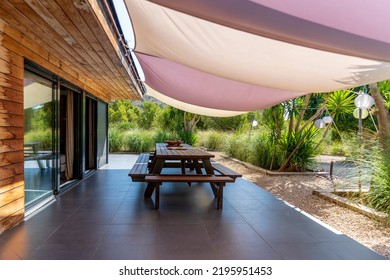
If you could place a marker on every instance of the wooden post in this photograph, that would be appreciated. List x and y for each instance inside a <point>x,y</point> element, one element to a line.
<point>331,170</point>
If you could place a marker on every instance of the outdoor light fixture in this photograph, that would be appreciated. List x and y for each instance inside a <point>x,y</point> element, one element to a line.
<point>254,123</point>
<point>364,101</point>
<point>327,119</point>
<point>364,113</point>
<point>319,123</point>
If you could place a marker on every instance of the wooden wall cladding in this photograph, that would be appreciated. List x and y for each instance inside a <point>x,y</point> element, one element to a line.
<point>11,136</point>
<point>10,183</point>
<point>11,133</point>
<point>9,217</point>
<point>11,195</point>
<point>71,39</point>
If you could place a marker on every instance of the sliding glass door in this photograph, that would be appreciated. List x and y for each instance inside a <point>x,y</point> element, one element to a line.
<point>60,135</point>
<point>69,136</point>
<point>39,164</point>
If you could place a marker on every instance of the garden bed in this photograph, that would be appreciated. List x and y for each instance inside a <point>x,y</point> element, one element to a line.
<point>343,198</point>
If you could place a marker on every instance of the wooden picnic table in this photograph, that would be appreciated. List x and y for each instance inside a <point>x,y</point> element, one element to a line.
<point>151,168</point>
<point>198,158</point>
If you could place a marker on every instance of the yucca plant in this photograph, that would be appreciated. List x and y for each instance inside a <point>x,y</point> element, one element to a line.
<point>341,103</point>
<point>299,149</point>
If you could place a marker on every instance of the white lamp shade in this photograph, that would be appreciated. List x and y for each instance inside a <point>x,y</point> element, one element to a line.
<point>364,101</point>
<point>364,113</point>
<point>319,123</point>
<point>327,119</point>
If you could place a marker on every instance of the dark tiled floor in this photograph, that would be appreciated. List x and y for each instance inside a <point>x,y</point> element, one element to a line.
<point>106,217</point>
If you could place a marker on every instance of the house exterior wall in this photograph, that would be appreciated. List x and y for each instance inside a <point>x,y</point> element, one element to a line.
<point>17,44</point>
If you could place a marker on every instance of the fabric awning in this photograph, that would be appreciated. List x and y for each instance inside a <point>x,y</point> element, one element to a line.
<point>234,56</point>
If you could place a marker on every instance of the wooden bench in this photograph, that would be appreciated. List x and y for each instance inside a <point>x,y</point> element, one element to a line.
<point>39,156</point>
<point>218,181</point>
<point>140,168</point>
<point>225,171</point>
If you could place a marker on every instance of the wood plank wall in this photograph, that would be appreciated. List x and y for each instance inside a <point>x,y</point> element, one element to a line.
<point>22,38</point>
<point>11,136</point>
<point>71,39</point>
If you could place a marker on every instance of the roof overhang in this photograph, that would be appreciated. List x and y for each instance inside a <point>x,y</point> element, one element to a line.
<point>80,39</point>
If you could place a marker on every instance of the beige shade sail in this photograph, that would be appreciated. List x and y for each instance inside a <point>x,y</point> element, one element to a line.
<point>247,55</point>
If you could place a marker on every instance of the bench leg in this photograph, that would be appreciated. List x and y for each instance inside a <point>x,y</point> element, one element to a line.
<point>157,196</point>
<point>220,196</point>
<point>183,170</point>
<point>149,190</point>
<point>214,188</point>
<point>183,166</point>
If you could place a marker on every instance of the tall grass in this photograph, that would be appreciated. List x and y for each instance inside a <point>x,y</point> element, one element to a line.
<point>258,148</point>
<point>161,136</point>
<point>116,139</point>
<point>379,194</point>
<point>133,141</point>
<point>238,146</point>
<point>138,141</point>
<point>212,139</point>
<point>264,152</point>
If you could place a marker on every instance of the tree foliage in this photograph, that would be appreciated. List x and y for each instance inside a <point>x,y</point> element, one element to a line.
<point>123,111</point>
<point>146,118</point>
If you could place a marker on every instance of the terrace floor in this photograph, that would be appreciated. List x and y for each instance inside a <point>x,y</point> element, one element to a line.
<point>106,217</point>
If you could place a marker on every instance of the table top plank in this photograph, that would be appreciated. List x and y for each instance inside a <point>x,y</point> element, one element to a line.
<point>188,152</point>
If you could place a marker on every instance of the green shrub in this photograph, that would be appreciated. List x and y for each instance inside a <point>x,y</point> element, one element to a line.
<point>303,158</point>
<point>238,146</point>
<point>202,137</point>
<point>264,152</point>
<point>338,148</point>
<point>116,139</point>
<point>162,136</point>
<point>215,140</point>
<point>124,126</point>
<point>138,141</point>
<point>148,143</point>
<point>187,137</point>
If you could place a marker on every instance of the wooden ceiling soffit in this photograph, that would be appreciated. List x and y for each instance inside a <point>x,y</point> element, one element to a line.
<point>77,39</point>
<point>122,62</point>
<point>48,53</point>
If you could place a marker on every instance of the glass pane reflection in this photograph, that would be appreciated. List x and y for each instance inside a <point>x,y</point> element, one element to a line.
<point>38,138</point>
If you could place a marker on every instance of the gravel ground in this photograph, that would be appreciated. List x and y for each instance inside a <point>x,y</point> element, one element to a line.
<point>297,190</point>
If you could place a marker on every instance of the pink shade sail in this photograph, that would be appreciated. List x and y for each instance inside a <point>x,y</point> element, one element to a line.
<point>202,89</point>
<point>244,55</point>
